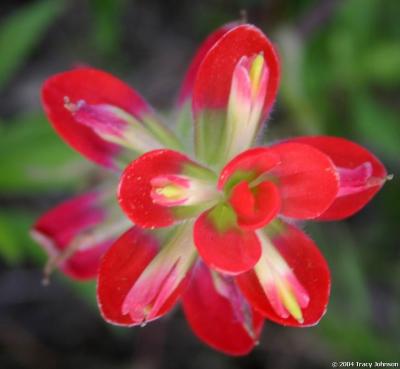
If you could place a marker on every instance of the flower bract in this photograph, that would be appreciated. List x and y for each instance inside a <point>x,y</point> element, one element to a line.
<point>215,222</point>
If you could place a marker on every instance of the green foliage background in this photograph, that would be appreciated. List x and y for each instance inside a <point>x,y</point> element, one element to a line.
<point>341,76</point>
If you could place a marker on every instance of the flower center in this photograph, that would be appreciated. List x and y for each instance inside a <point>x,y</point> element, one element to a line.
<point>257,205</point>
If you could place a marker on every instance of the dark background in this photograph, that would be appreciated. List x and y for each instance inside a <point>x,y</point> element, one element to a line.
<point>341,75</point>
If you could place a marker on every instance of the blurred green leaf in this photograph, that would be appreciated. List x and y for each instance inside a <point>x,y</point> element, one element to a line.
<point>107,31</point>
<point>382,63</point>
<point>293,87</point>
<point>21,31</point>
<point>376,124</point>
<point>33,157</point>
<point>9,249</point>
<point>358,19</point>
<point>347,324</point>
<point>15,243</point>
<point>349,290</point>
<point>358,341</point>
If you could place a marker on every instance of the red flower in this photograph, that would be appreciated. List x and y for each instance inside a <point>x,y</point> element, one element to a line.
<point>230,248</point>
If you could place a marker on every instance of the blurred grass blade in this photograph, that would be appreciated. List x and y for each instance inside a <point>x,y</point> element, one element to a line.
<point>33,158</point>
<point>382,64</point>
<point>350,339</point>
<point>15,243</point>
<point>20,33</point>
<point>107,31</point>
<point>377,124</point>
<point>293,87</point>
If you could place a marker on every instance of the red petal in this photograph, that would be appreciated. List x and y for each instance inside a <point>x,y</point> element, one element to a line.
<point>213,319</point>
<point>164,277</point>
<point>135,188</point>
<point>310,268</point>
<point>84,265</point>
<point>305,176</point>
<point>307,180</point>
<point>59,229</point>
<point>232,250</point>
<point>188,82</point>
<point>255,207</point>
<point>347,154</point>
<point>95,87</point>
<point>134,193</point>
<point>120,268</point>
<point>213,81</point>
<point>254,162</point>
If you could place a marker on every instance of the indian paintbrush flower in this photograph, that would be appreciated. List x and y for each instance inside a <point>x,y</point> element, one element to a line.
<point>215,227</point>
